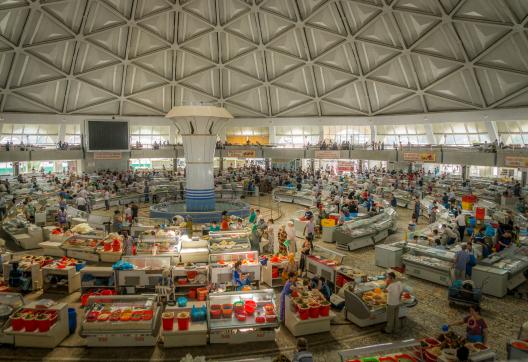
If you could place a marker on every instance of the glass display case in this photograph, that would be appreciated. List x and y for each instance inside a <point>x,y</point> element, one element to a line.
<point>403,351</point>
<point>229,241</point>
<point>147,273</point>
<point>304,197</point>
<point>82,247</point>
<point>222,266</point>
<point>237,317</point>
<point>323,262</point>
<point>121,321</point>
<point>160,242</point>
<point>428,263</point>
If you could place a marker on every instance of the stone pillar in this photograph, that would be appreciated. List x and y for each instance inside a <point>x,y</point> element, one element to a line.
<point>360,166</point>
<point>524,178</point>
<point>465,172</point>
<point>16,168</point>
<point>221,165</point>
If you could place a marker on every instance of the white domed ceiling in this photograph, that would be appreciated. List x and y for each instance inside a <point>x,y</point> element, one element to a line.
<point>263,58</point>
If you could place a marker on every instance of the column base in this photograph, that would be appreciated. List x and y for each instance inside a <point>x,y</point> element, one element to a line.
<point>200,200</point>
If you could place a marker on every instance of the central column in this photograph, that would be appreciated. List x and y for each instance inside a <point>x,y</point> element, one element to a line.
<point>199,127</point>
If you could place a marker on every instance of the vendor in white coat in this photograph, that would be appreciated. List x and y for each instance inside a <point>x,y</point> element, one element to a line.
<point>290,231</point>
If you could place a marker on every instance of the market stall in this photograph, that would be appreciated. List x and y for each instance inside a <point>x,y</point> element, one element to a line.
<point>121,321</point>
<point>23,272</point>
<point>272,271</point>
<point>222,267</point>
<point>404,351</point>
<point>97,280</point>
<point>290,195</point>
<point>159,242</point>
<point>185,325</point>
<point>24,234</point>
<point>142,272</point>
<point>241,317</point>
<point>195,250</point>
<point>323,262</point>
<point>62,276</point>
<point>307,312</point>
<point>229,241</point>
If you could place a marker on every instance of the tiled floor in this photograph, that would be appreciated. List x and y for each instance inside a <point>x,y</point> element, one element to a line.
<point>504,317</point>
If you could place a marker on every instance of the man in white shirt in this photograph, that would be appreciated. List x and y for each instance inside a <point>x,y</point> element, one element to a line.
<point>461,223</point>
<point>107,199</point>
<point>394,291</point>
<point>80,202</point>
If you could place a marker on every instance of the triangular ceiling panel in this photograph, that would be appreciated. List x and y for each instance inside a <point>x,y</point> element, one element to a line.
<point>320,41</point>
<point>18,104</point>
<point>44,29</point>
<point>245,26</point>
<point>230,9</point>
<point>187,64</point>
<point>331,109</point>
<point>306,110</point>
<point>430,69</point>
<point>82,95</point>
<point>158,98</point>
<point>299,80</point>
<point>255,99</point>
<point>190,27</point>
<point>422,6</point>
<point>138,79</point>
<point>382,95</point>
<point>184,97</point>
<point>108,78</point>
<point>272,26</point>
<point>342,58</point>
<point>478,37</point>
<point>27,70</point>
<point>371,56</point>
<point>486,10</point>
<point>141,42</point>
<point>520,9</point>
<point>232,46</point>
<point>398,71</point>
<point>413,26</point>
<point>208,82</point>
<point>308,7</point>
<point>124,7</point>
<point>328,18</point>
<point>278,64</point>
<point>160,63</point>
<point>497,85</point>
<point>518,101</point>
<point>69,12</point>
<point>251,64</point>
<point>280,7</point>
<point>328,79</point>
<point>113,40</point>
<point>436,104</point>
<point>442,42</point>
<point>162,25</point>
<point>147,7</point>
<point>58,54</point>
<point>206,46</point>
<point>460,86</point>
<point>382,30</point>
<point>357,14</point>
<point>5,65</point>
<point>99,18</point>
<point>13,4</point>
<point>51,94</point>
<point>91,57</point>
<point>408,106</point>
<point>449,5</point>
<point>512,54</point>
<point>282,99</point>
<point>351,96</point>
<point>234,82</point>
<point>290,43</point>
<point>237,111</point>
<point>204,9</point>
<point>135,109</point>
<point>104,109</point>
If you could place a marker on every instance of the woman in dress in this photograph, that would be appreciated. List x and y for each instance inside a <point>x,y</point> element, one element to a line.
<point>283,236</point>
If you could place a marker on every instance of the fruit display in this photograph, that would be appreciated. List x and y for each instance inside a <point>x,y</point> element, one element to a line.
<point>310,304</point>
<point>375,298</point>
<point>33,320</point>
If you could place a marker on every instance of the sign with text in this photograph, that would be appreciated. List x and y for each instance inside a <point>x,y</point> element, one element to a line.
<point>328,154</point>
<point>107,156</point>
<point>241,153</point>
<point>419,156</point>
<point>515,161</point>
<point>345,166</point>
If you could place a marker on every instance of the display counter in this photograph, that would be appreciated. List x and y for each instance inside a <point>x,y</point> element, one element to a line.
<point>501,272</point>
<point>59,277</point>
<point>121,321</point>
<point>272,271</point>
<point>307,312</point>
<point>187,277</point>
<point>196,333</point>
<point>428,263</point>
<point>404,351</point>
<point>229,241</point>
<point>147,225</point>
<point>366,304</point>
<point>161,242</point>
<point>95,278</point>
<point>29,275</point>
<point>82,247</point>
<point>442,348</point>
<point>291,195</point>
<point>24,234</point>
<point>362,232</point>
<point>323,262</point>
<point>194,250</point>
<point>10,305</point>
<point>253,317</point>
<point>222,267</point>
<point>148,272</point>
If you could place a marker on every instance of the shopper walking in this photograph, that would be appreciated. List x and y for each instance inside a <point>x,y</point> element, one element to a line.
<point>461,260</point>
<point>107,199</point>
<point>461,223</point>
<point>394,291</point>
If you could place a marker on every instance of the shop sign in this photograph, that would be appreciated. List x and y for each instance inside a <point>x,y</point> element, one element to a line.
<point>240,153</point>
<point>419,156</point>
<point>328,154</point>
<point>513,161</point>
<point>345,166</point>
<point>107,155</point>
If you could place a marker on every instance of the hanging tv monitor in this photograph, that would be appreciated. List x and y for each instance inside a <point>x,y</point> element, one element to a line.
<point>111,135</point>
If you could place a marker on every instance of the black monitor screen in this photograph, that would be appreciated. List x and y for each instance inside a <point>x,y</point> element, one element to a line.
<point>107,135</point>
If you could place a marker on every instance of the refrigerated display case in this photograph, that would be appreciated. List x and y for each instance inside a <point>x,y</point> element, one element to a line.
<point>229,241</point>
<point>121,321</point>
<point>148,272</point>
<point>253,317</point>
<point>366,303</point>
<point>428,263</point>
<point>323,262</point>
<point>194,250</point>
<point>367,231</point>
<point>162,243</point>
<point>82,247</point>
<point>290,195</point>
<point>403,351</point>
<point>222,266</point>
